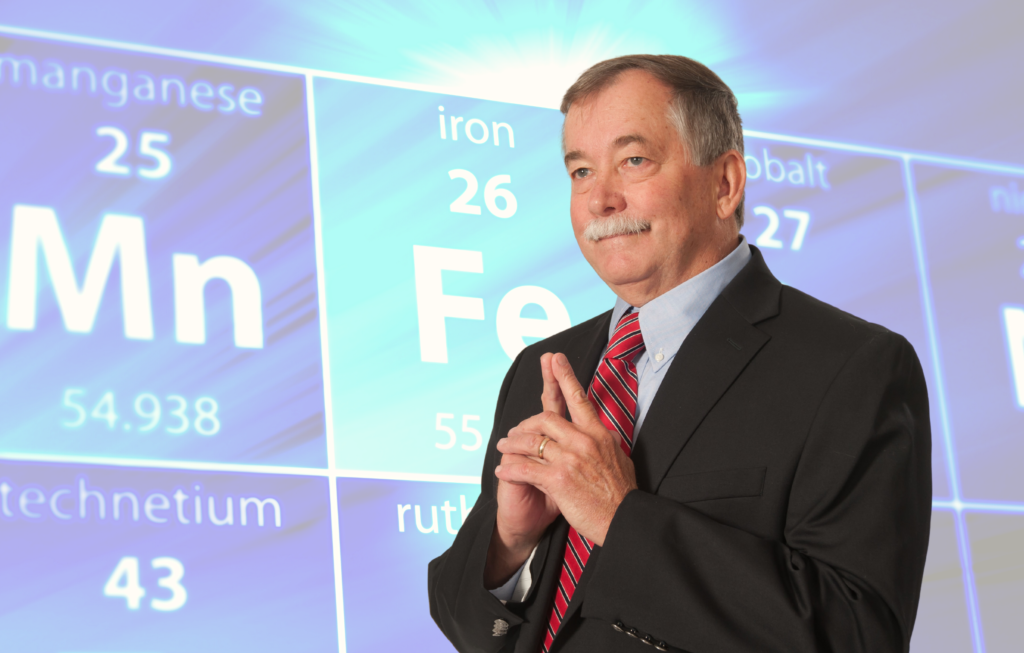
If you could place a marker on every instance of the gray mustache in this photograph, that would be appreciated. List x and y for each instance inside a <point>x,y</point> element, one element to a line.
<point>615,226</point>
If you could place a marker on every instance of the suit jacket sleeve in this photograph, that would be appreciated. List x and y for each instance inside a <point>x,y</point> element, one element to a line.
<point>460,605</point>
<point>847,575</point>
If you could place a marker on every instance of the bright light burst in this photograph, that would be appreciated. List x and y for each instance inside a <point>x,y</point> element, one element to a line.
<point>524,52</point>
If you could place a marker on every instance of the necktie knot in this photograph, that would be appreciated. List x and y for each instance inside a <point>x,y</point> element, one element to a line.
<point>627,341</point>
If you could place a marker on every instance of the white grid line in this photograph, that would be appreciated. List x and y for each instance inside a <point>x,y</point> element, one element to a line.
<point>234,468</point>
<point>154,463</point>
<point>240,62</point>
<point>314,173</point>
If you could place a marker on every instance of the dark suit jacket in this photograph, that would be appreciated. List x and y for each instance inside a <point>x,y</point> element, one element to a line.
<point>784,500</point>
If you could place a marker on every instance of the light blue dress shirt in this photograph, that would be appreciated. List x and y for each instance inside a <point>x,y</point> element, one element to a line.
<point>665,321</point>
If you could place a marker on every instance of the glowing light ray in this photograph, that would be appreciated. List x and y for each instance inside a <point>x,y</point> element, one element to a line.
<point>530,53</point>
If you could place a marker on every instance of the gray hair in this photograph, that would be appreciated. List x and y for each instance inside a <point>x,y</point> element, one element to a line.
<point>703,110</point>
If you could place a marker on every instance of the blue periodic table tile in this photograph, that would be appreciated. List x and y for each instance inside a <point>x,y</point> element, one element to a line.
<point>164,560</point>
<point>159,271</point>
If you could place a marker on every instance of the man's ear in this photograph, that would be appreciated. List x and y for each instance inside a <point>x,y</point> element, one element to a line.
<point>730,172</point>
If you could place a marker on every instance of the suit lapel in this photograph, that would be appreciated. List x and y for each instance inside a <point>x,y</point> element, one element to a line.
<point>720,346</point>
<point>702,371</point>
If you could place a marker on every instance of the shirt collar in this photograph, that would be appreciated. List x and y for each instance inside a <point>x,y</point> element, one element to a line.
<point>666,320</point>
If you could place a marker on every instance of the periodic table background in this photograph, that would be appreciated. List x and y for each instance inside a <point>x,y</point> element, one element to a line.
<point>393,244</point>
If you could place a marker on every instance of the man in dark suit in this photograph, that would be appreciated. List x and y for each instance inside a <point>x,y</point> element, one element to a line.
<point>750,468</point>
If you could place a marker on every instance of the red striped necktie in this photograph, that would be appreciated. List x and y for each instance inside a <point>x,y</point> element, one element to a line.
<point>614,394</point>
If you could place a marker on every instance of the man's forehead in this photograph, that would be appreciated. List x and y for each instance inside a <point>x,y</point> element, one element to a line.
<point>631,109</point>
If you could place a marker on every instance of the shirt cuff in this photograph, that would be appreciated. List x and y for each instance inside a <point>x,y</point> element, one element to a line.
<point>518,586</point>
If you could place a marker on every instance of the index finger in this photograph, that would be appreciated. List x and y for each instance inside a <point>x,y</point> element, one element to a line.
<point>551,397</point>
<point>581,410</point>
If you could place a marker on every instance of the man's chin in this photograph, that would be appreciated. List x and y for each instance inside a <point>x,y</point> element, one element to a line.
<point>623,267</point>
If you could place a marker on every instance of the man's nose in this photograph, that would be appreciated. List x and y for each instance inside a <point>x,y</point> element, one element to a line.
<point>606,197</point>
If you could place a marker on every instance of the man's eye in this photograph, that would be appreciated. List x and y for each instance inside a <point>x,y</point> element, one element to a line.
<point>635,160</point>
<point>580,173</point>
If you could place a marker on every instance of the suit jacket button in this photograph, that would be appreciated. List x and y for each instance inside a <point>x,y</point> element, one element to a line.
<point>500,628</point>
<point>647,639</point>
<point>618,626</point>
<point>632,632</point>
<point>661,646</point>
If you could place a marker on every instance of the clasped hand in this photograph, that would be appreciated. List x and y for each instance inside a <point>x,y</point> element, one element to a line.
<point>584,474</point>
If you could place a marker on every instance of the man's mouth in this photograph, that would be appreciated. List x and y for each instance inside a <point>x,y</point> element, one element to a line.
<point>603,228</point>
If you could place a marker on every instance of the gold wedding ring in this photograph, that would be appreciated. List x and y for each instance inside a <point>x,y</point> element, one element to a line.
<point>540,449</point>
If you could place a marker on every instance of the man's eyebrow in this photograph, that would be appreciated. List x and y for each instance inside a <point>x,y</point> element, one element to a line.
<point>573,156</point>
<point>618,143</point>
<point>628,139</point>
